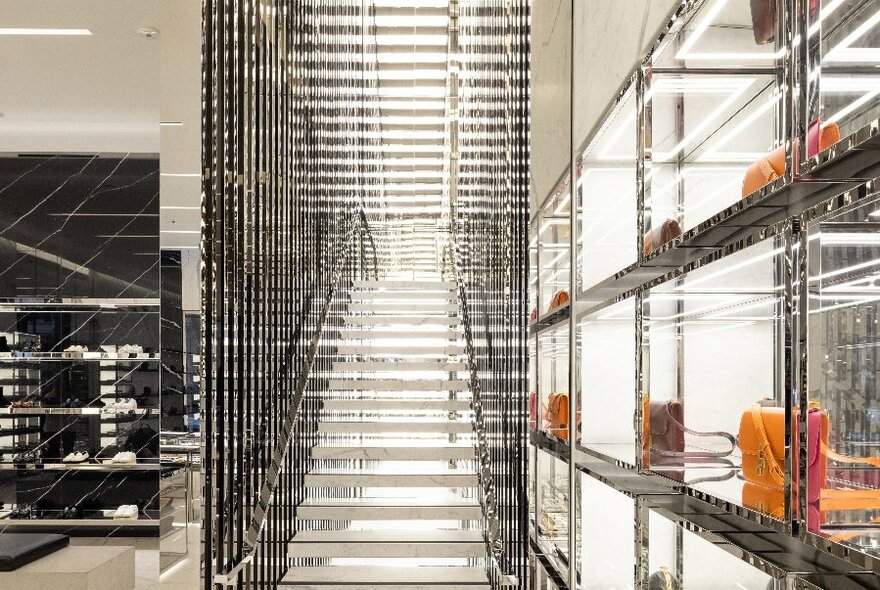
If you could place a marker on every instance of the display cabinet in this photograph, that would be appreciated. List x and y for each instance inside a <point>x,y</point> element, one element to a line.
<point>723,308</point>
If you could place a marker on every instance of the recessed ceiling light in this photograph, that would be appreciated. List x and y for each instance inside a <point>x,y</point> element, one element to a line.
<point>148,32</point>
<point>171,123</point>
<point>62,32</point>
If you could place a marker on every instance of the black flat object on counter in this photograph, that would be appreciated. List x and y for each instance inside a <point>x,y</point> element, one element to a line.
<point>20,549</point>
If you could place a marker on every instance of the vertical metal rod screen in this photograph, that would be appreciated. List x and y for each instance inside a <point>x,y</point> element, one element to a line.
<point>288,138</point>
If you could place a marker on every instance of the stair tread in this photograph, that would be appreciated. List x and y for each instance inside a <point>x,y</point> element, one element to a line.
<point>383,576</point>
<point>390,502</point>
<point>388,536</point>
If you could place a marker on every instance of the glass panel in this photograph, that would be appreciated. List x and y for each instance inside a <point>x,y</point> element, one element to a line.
<point>727,34</point>
<point>607,540</point>
<point>553,352</point>
<point>843,335</point>
<point>553,508</point>
<point>845,40</point>
<point>554,251</point>
<point>682,559</point>
<point>713,349</point>
<point>607,374</point>
<point>607,189</point>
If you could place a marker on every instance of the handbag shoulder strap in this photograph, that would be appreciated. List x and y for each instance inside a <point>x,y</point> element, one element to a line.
<point>697,454</point>
<point>776,472</point>
<point>835,456</point>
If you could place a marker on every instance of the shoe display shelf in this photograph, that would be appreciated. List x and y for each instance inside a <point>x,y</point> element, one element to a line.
<point>724,275</point>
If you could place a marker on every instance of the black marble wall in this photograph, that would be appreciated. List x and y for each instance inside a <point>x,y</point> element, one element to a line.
<point>79,267</point>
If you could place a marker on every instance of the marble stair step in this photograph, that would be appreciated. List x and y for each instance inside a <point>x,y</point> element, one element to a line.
<point>380,366</point>
<point>394,320</point>
<point>364,478</point>
<point>363,577</point>
<point>387,509</point>
<point>378,335</point>
<point>402,405</point>
<point>441,297</point>
<point>449,452</point>
<point>405,285</point>
<point>397,307</point>
<point>385,426</point>
<point>398,385</point>
<point>371,349</point>
<point>386,543</point>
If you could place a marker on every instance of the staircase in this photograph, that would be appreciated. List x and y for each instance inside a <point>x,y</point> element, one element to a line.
<point>392,496</point>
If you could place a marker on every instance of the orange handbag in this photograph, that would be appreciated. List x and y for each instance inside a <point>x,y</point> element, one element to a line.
<point>556,415</point>
<point>772,166</point>
<point>668,231</point>
<point>559,299</point>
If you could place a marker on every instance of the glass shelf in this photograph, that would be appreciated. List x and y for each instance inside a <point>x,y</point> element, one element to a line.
<point>552,508</point>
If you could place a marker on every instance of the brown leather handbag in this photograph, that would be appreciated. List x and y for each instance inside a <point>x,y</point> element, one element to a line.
<point>665,421</point>
<point>668,231</point>
<point>763,20</point>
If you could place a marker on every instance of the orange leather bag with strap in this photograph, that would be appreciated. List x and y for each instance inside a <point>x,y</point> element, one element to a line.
<point>559,299</point>
<point>772,166</point>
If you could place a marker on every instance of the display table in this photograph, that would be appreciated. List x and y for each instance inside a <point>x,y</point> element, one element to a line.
<point>76,568</point>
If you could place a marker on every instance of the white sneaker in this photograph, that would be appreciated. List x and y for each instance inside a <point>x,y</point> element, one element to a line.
<point>120,512</point>
<point>80,457</point>
<point>132,512</point>
<point>126,404</point>
<point>130,349</point>
<point>124,458</point>
<point>70,458</point>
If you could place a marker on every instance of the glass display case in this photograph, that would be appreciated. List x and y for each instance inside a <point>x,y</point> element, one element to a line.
<point>554,252</point>
<point>713,348</point>
<point>680,557</point>
<point>714,111</point>
<point>842,56</point>
<point>606,544</point>
<point>606,361</point>
<point>843,422</point>
<point>607,190</point>
<point>553,507</point>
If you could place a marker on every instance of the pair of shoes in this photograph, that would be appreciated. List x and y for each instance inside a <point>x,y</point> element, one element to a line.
<point>26,512</point>
<point>76,457</point>
<point>22,403</point>
<point>71,402</point>
<point>126,512</point>
<point>69,512</point>
<point>123,405</point>
<point>124,458</point>
<point>24,458</point>
<point>130,349</point>
<point>77,349</point>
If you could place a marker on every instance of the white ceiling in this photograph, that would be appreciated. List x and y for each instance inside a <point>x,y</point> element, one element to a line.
<point>108,92</point>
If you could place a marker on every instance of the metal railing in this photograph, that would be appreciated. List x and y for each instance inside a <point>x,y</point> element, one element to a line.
<point>360,228</point>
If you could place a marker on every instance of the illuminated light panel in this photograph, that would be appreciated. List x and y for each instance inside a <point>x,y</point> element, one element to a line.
<point>36,32</point>
<point>844,52</point>
<point>686,53</point>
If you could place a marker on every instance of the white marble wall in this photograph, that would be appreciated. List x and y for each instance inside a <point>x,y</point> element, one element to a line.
<point>551,91</point>
<point>611,37</point>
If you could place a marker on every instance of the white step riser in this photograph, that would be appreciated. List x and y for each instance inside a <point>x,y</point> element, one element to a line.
<point>384,578</point>
<point>394,428</point>
<point>374,405</point>
<point>412,320</point>
<point>385,480</point>
<point>389,513</point>
<point>398,385</point>
<point>396,550</point>
<point>405,285</point>
<point>396,296</point>
<point>394,453</point>
<point>398,350</point>
<point>403,307</point>
<point>368,366</point>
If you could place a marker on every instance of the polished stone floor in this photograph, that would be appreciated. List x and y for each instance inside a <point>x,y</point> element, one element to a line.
<point>184,575</point>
